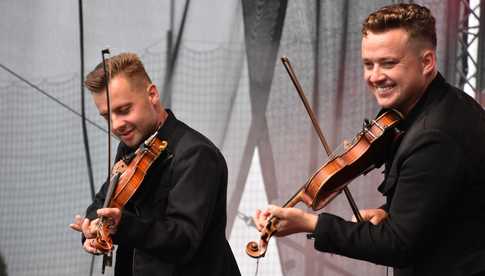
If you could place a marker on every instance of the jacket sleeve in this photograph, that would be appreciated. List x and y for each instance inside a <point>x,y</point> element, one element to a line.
<point>198,174</point>
<point>429,176</point>
<point>97,203</point>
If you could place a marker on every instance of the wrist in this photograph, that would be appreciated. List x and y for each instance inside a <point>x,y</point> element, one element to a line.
<point>311,222</point>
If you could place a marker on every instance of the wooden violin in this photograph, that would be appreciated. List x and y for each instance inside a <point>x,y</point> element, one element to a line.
<point>366,152</point>
<point>125,180</point>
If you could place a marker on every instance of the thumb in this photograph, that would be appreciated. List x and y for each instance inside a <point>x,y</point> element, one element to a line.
<point>276,211</point>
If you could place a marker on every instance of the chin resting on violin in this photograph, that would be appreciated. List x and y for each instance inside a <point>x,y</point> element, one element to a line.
<point>432,222</point>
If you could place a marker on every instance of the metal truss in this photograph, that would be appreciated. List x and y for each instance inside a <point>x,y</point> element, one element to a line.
<point>469,62</point>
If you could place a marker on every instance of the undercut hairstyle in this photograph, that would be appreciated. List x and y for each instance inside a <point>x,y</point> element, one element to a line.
<point>127,64</point>
<point>415,19</point>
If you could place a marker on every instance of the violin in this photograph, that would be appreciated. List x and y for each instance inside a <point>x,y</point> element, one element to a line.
<point>125,180</point>
<point>366,152</point>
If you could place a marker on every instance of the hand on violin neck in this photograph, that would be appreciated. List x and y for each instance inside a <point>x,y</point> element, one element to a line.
<point>90,229</point>
<point>85,226</point>
<point>260,219</point>
<point>77,224</point>
<point>111,217</point>
<point>374,216</point>
<point>89,247</point>
<point>288,220</point>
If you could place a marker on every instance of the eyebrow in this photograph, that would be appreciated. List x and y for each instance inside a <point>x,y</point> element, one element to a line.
<point>104,114</point>
<point>379,60</point>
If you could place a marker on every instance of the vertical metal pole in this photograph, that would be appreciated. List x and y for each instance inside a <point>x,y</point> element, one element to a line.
<point>83,114</point>
<point>167,84</point>
<point>83,106</point>
<point>481,56</point>
<point>168,58</point>
<point>451,37</point>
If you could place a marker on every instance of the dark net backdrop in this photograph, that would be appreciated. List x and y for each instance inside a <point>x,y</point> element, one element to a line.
<point>246,105</point>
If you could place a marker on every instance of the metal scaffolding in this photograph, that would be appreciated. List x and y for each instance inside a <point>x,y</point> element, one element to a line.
<point>469,73</point>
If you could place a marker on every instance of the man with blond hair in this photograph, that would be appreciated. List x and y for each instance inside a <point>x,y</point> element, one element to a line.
<point>175,222</point>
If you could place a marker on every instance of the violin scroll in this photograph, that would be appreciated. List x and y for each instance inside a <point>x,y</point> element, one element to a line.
<point>258,250</point>
<point>255,250</point>
<point>103,243</point>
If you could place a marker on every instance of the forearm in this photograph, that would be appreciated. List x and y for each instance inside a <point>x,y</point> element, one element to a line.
<point>364,241</point>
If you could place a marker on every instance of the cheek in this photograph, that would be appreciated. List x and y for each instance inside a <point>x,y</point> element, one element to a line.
<point>132,119</point>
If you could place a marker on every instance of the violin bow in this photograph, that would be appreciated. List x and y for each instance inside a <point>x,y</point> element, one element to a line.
<point>108,257</point>
<point>316,126</point>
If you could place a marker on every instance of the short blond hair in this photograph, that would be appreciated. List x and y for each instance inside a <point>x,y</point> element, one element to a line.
<point>128,64</point>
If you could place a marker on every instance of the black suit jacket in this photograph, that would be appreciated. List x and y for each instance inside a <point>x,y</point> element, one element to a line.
<point>175,223</point>
<point>435,189</point>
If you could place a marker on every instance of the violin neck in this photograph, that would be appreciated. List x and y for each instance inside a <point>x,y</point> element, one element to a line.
<point>111,188</point>
<point>295,199</point>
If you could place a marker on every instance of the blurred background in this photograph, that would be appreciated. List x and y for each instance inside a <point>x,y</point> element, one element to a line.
<point>217,64</point>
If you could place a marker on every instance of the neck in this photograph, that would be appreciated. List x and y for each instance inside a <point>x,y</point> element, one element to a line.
<point>161,119</point>
<point>428,81</point>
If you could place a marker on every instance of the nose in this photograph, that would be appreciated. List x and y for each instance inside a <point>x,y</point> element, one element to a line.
<point>117,123</point>
<point>375,75</point>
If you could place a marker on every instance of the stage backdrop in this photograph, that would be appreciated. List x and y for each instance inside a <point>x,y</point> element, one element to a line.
<point>227,82</point>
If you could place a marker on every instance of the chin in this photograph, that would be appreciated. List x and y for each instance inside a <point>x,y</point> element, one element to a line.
<point>130,143</point>
<point>386,102</point>
<point>385,106</point>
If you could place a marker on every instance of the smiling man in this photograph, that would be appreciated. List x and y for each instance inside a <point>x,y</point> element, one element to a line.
<point>433,221</point>
<point>175,222</point>
<point>397,68</point>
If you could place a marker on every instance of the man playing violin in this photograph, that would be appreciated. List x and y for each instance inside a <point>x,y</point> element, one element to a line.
<point>433,221</point>
<point>175,222</point>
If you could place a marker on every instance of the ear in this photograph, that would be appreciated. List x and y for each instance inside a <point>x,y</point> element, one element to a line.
<point>428,61</point>
<point>153,94</point>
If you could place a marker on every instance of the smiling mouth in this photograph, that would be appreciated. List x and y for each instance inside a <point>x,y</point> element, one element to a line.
<point>384,90</point>
<point>126,134</point>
